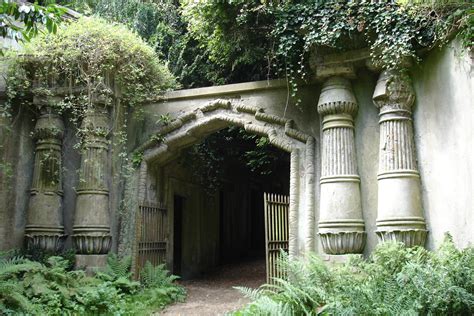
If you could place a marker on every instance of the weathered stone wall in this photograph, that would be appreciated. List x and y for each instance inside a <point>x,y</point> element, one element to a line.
<point>443,123</point>
<point>444,133</point>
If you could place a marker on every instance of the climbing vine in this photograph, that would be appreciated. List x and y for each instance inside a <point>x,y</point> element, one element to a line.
<point>86,63</point>
<point>392,32</point>
<point>283,34</point>
<point>85,60</point>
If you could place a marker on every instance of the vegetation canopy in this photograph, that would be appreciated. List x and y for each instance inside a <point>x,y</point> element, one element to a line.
<point>90,58</point>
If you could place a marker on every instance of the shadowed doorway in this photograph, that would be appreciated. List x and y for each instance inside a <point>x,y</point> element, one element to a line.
<point>216,190</point>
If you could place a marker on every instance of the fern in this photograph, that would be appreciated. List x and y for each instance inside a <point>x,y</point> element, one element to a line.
<point>395,281</point>
<point>34,288</point>
<point>118,267</point>
<point>253,294</point>
<point>156,276</point>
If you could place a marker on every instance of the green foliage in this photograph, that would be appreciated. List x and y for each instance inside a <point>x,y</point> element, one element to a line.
<point>156,276</point>
<point>247,152</point>
<point>393,32</point>
<point>158,286</point>
<point>91,52</point>
<point>38,254</point>
<point>235,34</point>
<point>395,281</point>
<point>29,287</point>
<point>90,59</point>
<point>23,21</point>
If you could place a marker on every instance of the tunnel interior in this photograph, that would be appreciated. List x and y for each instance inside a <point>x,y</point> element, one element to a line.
<point>215,193</point>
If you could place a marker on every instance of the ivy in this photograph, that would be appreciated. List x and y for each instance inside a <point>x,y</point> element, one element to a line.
<point>280,36</point>
<point>392,32</point>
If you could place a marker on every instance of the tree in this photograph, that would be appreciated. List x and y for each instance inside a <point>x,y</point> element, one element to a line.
<point>22,21</point>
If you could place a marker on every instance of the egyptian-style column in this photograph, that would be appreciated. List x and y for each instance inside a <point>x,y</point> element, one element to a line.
<point>341,225</point>
<point>44,227</point>
<point>400,215</point>
<point>92,220</point>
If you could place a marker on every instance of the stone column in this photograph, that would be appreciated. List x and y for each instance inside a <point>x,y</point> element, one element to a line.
<point>341,226</point>
<point>400,215</point>
<point>44,227</point>
<point>91,228</point>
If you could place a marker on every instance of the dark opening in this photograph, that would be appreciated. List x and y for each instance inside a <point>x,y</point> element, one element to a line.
<point>178,234</point>
<point>225,178</point>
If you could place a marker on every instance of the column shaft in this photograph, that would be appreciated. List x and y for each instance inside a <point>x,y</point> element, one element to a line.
<point>44,227</point>
<point>400,215</point>
<point>341,226</point>
<point>92,220</point>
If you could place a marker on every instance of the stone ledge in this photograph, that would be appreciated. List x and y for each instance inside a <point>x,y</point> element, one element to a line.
<point>90,263</point>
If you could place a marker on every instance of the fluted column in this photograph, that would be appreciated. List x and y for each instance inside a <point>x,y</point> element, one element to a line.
<point>92,220</point>
<point>341,226</point>
<point>44,227</point>
<point>400,214</point>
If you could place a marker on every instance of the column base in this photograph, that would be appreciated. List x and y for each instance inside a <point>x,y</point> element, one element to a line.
<point>48,243</point>
<point>92,244</point>
<point>410,237</point>
<point>341,243</point>
<point>90,263</point>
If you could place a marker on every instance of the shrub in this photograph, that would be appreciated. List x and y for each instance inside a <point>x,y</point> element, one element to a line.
<point>395,280</point>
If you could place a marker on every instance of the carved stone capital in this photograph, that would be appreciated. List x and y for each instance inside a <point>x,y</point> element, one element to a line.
<point>337,98</point>
<point>394,91</point>
<point>95,125</point>
<point>49,126</point>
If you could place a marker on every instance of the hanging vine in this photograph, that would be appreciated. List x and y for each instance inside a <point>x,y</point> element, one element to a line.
<point>393,32</point>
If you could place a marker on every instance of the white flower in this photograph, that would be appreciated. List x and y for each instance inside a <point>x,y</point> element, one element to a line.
<point>24,8</point>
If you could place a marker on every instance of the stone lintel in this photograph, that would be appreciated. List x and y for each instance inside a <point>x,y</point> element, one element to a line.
<point>346,70</point>
<point>338,64</point>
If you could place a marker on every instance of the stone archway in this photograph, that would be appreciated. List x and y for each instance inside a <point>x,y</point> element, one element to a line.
<point>191,127</point>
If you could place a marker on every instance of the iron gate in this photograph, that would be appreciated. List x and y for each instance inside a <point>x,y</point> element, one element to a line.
<point>276,209</point>
<point>152,226</point>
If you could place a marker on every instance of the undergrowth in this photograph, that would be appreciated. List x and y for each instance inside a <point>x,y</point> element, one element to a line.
<point>395,280</point>
<point>34,288</point>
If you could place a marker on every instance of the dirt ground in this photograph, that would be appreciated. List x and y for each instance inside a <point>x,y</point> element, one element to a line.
<point>214,294</point>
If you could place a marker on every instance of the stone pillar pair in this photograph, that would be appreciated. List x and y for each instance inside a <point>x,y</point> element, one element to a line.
<point>400,216</point>
<point>91,230</point>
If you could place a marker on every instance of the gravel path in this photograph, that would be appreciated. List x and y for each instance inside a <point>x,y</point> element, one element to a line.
<point>214,294</point>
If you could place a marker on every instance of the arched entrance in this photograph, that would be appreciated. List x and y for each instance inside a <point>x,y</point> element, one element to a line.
<point>214,192</point>
<point>191,127</point>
